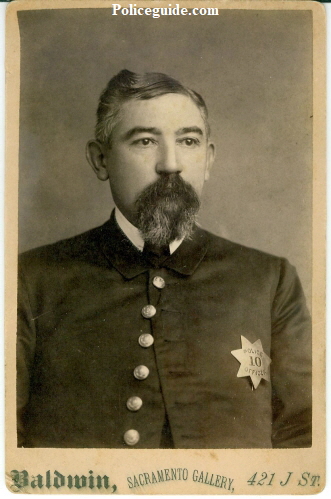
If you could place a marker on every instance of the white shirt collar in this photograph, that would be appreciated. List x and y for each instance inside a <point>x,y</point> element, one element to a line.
<point>133,234</point>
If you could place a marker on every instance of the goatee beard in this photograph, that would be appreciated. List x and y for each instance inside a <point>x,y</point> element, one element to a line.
<point>166,210</point>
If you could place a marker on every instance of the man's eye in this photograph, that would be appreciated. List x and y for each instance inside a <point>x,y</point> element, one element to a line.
<point>146,141</point>
<point>190,142</point>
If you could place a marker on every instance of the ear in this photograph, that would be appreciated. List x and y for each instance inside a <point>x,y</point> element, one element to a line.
<point>210,159</point>
<point>96,157</point>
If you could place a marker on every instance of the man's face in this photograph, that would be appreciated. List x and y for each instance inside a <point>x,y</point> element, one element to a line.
<point>163,135</point>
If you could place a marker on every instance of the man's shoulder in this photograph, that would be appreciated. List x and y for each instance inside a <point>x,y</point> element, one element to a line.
<point>244,262</point>
<point>219,247</point>
<point>86,247</point>
<point>76,247</point>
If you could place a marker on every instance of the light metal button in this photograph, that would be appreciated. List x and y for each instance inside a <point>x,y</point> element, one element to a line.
<point>148,311</point>
<point>131,437</point>
<point>134,403</point>
<point>141,372</point>
<point>158,282</point>
<point>145,340</point>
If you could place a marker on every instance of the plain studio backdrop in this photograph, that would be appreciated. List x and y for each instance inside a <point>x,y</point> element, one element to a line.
<point>254,70</point>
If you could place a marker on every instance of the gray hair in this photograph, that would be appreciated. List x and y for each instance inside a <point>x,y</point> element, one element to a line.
<point>126,86</point>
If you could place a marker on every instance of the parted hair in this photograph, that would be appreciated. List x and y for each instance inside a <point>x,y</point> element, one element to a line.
<point>127,85</point>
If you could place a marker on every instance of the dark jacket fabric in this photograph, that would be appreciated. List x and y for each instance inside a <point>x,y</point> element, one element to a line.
<point>79,320</point>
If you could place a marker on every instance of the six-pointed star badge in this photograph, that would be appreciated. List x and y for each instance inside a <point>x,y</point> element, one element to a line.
<point>254,362</point>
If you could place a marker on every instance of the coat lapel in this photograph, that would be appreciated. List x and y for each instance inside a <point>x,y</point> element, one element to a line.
<point>130,262</point>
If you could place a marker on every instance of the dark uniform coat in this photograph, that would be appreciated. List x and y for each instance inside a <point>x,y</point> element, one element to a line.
<point>80,325</point>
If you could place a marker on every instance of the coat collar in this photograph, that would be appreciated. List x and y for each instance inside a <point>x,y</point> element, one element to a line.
<point>129,261</point>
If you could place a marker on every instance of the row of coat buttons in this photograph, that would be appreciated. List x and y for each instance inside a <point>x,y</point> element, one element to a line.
<point>131,437</point>
<point>140,373</point>
<point>148,311</point>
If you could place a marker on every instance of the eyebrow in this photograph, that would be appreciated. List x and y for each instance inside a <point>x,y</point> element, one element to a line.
<point>141,129</point>
<point>156,131</point>
<point>190,129</point>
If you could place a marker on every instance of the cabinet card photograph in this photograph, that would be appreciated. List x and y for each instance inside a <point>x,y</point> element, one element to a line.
<point>165,247</point>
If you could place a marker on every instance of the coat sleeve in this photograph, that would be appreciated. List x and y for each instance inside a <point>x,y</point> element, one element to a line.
<point>26,340</point>
<point>291,366</point>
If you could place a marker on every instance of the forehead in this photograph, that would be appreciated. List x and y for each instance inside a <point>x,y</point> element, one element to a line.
<point>169,112</point>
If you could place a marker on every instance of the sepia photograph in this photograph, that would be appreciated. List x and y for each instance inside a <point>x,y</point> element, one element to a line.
<point>165,217</point>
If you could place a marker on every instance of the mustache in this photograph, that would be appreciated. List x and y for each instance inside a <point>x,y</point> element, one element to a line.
<point>168,188</point>
<point>166,209</point>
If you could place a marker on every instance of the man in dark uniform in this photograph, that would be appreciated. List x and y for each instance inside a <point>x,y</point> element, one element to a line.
<point>150,332</point>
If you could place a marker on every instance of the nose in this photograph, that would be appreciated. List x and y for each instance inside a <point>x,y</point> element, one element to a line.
<point>167,161</point>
